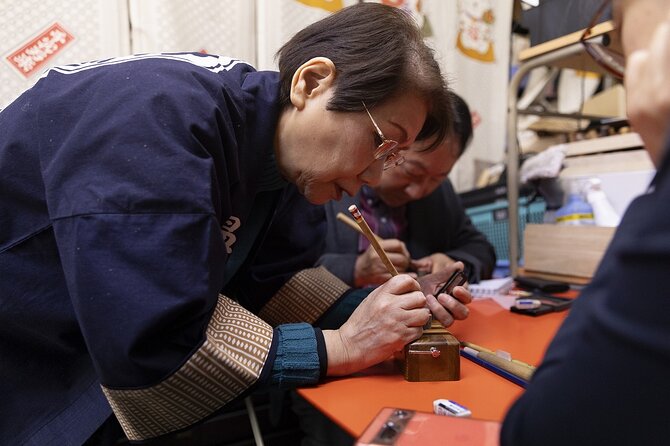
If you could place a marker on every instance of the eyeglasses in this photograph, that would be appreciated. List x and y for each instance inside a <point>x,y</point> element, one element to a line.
<point>420,175</point>
<point>387,149</point>
<point>612,61</point>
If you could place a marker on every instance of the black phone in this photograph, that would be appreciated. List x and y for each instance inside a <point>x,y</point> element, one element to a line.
<point>547,286</point>
<point>456,279</point>
<point>549,304</point>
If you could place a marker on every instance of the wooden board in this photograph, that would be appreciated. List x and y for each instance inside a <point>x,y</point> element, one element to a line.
<point>574,280</point>
<point>563,41</point>
<point>591,165</point>
<point>565,250</point>
<point>581,61</point>
<point>604,144</point>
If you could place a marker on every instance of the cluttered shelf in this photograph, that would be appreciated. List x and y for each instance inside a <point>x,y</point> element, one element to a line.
<point>612,168</point>
<point>583,160</point>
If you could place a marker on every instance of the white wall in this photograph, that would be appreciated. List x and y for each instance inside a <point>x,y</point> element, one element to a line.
<point>482,83</point>
<point>95,29</point>
<point>253,30</point>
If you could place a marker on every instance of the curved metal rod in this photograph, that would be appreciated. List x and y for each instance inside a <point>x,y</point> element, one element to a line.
<point>513,147</point>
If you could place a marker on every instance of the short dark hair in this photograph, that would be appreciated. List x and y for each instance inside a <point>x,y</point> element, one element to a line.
<point>462,122</point>
<point>378,51</point>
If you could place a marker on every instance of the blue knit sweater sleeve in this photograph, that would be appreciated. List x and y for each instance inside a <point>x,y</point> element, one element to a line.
<point>301,356</point>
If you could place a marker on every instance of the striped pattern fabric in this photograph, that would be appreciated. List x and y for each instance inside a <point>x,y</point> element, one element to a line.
<point>229,361</point>
<point>304,298</point>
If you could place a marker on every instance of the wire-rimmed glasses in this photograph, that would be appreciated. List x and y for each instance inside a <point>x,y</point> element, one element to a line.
<point>612,61</point>
<point>387,148</point>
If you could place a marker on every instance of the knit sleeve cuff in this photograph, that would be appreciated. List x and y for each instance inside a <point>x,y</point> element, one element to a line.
<point>298,361</point>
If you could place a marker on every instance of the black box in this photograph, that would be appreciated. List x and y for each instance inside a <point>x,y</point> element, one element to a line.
<point>556,18</point>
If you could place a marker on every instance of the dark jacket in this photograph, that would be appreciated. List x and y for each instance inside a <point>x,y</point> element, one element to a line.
<point>436,223</point>
<point>604,378</point>
<point>131,190</point>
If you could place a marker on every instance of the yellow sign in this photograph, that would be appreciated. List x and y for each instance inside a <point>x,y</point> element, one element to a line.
<point>328,5</point>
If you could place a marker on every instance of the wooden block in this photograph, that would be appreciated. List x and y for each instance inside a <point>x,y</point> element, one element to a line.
<point>604,144</point>
<point>608,103</point>
<point>557,124</point>
<point>565,250</point>
<point>434,356</point>
<point>590,165</point>
<point>556,277</point>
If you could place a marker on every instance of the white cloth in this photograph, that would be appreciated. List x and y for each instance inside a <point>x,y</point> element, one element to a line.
<point>546,164</point>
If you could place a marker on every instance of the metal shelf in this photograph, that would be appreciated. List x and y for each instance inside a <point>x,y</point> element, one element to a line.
<point>564,52</point>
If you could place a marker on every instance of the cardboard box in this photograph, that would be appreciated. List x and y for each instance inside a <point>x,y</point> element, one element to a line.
<point>623,175</point>
<point>611,102</point>
<point>571,253</point>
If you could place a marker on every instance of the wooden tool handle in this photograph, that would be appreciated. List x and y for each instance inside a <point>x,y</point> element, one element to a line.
<point>479,348</point>
<point>519,370</point>
<point>349,222</point>
<point>367,232</point>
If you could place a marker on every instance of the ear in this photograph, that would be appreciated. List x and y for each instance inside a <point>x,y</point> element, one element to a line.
<point>311,79</point>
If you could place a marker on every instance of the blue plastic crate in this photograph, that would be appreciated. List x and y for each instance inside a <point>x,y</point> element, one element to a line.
<point>492,220</point>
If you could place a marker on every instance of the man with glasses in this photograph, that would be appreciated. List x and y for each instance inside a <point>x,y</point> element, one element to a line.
<point>604,378</point>
<point>415,196</point>
<point>416,212</point>
<point>414,180</point>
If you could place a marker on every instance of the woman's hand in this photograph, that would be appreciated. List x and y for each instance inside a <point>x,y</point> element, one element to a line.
<point>390,317</point>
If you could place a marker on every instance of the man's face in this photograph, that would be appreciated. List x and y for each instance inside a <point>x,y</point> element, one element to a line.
<point>418,176</point>
<point>636,21</point>
<point>643,39</point>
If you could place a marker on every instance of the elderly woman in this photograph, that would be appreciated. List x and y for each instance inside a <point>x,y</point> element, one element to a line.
<point>134,189</point>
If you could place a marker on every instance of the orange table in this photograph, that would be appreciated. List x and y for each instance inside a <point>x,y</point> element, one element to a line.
<point>352,402</point>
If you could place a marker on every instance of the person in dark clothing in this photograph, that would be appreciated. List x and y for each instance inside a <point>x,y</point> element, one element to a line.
<point>604,377</point>
<point>419,216</point>
<point>135,189</point>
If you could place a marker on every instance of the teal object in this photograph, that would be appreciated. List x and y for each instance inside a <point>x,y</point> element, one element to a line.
<point>492,220</point>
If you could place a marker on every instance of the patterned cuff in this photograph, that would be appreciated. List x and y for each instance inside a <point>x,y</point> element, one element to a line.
<point>297,361</point>
<point>304,298</point>
<point>230,361</point>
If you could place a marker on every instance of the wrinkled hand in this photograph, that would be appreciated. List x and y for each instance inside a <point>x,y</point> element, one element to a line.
<point>390,317</point>
<point>421,266</point>
<point>369,268</point>
<point>446,308</point>
<point>437,261</point>
<point>648,90</point>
